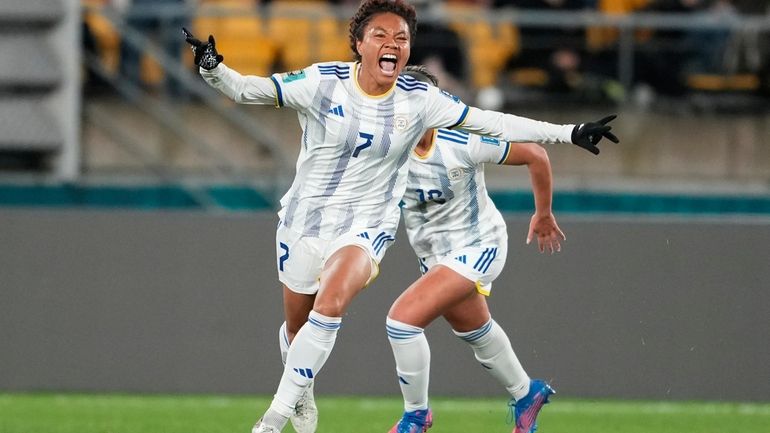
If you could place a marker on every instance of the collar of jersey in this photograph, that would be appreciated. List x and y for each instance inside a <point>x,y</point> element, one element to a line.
<point>430,149</point>
<point>356,65</point>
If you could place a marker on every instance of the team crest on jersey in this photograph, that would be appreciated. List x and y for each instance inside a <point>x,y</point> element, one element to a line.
<point>457,173</point>
<point>293,76</point>
<point>400,123</point>
<point>450,96</point>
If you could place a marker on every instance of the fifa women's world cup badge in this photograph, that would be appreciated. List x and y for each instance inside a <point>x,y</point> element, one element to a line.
<point>293,76</point>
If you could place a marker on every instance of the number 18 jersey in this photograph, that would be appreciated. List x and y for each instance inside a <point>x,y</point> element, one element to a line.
<point>446,206</point>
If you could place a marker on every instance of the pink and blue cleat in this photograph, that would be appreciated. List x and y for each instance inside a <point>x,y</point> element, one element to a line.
<point>418,421</point>
<point>526,409</point>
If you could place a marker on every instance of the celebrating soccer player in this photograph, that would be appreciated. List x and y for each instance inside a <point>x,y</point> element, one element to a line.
<point>359,122</point>
<point>461,241</point>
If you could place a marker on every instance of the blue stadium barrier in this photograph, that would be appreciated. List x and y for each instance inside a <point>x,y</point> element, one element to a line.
<point>246,198</point>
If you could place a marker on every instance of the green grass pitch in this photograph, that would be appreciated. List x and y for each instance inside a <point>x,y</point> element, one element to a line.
<point>105,413</point>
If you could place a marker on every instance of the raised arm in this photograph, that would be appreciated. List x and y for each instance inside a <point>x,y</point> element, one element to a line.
<point>543,223</point>
<point>244,89</point>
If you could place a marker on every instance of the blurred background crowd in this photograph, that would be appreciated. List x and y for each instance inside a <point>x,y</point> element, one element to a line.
<point>500,51</point>
<point>110,93</point>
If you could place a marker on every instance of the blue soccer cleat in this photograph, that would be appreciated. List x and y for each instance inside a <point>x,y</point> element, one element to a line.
<point>418,421</point>
<point>525,410</point>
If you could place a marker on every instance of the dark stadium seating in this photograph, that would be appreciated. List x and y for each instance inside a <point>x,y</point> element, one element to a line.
<point>240,34</point>
<point>307,32</point>
<point>29,74</point>
<point>489,46</point>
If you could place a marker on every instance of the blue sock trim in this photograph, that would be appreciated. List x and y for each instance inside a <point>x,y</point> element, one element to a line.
<point>401,331</point>
<point>325,323</point>
<point>477,334</point>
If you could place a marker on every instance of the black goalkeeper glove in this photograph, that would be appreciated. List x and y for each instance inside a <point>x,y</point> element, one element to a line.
<point>206,55</point>
<point>588,135</point>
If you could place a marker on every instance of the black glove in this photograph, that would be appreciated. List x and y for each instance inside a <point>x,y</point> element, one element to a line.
<point>206,55</point>
<point>588,135</point>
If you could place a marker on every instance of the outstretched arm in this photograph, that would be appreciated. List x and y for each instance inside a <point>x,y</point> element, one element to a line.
<point>244,89</point>
<point>521,129</point>
<point>446,111</point>
<point>543,223</point>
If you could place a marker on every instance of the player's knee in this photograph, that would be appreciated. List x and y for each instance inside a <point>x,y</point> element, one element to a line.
<point>331,307</point>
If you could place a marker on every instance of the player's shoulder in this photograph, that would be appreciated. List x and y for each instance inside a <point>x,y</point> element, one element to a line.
<point>410,85</point>
<point>453,138</point>
<point>333,70</point>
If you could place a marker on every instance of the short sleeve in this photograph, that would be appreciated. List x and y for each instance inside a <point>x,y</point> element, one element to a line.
<point>296,89</point>
<point>443,110</point>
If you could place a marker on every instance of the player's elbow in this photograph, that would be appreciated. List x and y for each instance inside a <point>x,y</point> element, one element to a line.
<point>536,154</point>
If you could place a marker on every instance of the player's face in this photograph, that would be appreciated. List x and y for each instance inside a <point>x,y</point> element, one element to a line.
<point>384,51</point>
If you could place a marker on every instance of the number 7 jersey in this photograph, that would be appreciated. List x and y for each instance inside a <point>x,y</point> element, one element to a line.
<point>351,170</point>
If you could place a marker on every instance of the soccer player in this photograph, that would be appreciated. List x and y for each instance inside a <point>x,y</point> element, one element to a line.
<point>461,241</point>
<point>359,122</point>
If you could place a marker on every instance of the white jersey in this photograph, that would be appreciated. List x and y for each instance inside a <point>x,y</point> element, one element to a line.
<point>446,206</point>
<point>352,170</point>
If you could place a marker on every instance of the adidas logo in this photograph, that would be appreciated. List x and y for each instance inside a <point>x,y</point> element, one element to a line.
<point>462,259</point>
<point>337,110</point>
<point>304,372</point>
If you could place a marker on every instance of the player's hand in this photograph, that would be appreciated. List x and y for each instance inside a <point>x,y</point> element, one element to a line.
<point>549,235</point>
<point>588,135</point>
<point>206,55</point>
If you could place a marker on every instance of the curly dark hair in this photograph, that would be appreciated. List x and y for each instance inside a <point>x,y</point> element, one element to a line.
<point>421,73</point>
<point>370,8</point>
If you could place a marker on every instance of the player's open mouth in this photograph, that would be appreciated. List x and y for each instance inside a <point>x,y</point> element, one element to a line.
<point>388,64</point>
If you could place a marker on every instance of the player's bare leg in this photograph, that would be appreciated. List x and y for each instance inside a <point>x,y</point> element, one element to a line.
<point>471,322</point>
<point>469,314</point>
<point>296,307</point>
<point>431,296</point>
<point>344,275</point>
<point>425,300</point>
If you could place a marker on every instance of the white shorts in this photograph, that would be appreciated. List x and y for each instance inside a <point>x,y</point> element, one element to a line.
<point>478,264</point>
<point>301,259</point>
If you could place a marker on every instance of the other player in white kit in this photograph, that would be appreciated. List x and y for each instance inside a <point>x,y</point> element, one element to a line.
<point>461,241</point>
<point>359,122</point>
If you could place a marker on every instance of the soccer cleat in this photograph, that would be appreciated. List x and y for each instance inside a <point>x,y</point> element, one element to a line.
<point>418,421</point>
<point>526,410</point>
<point>261,427</point>
<point>305,417</point>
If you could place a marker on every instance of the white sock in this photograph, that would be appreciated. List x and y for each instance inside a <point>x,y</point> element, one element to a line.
<point>412,355</point>
<point>274,418</point>
<point>307,354</point>
<point>283,342</point>
<point>493,350</point>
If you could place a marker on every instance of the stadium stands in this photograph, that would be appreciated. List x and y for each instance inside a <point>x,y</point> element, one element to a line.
<point>29,132</point>
<point>307,32</point>
<point>489,46</point>
<point>105,34</point>
<point>239,32</point>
